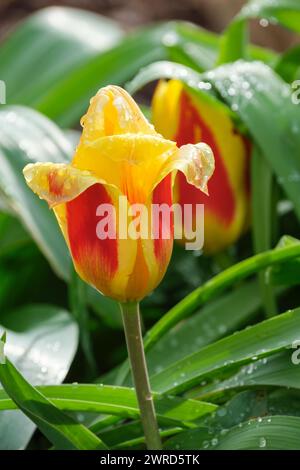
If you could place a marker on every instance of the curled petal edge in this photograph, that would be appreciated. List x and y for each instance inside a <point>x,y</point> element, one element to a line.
<point>58,183</point>
<point>196,162</point>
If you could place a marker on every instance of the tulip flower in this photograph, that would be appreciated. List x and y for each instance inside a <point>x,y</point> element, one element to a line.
<point>120,156</point>
<point>193,118</point>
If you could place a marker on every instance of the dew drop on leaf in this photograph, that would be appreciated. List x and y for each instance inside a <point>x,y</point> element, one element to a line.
<point>262,442</point>
<point>264,22</point>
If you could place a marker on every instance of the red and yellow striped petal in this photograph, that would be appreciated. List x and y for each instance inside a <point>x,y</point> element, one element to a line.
<point>193,119</point>
<point>57,182</point>
<point>107,263</point>
<point>132,163</point>
<point>122,268</point>
<point>75,195</point>
<point>157,249</point>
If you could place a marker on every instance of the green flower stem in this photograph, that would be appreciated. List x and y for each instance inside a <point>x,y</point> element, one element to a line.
<point>134,340</point>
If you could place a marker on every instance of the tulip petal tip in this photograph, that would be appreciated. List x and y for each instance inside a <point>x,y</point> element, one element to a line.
<point>199,164</point>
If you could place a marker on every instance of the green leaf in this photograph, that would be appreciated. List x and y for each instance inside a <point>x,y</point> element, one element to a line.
<point>2,356</point>
<point>76,48</point>
<point>130,436</point>
<point>215,286</point>
<point>193,46</point>
<point>234,43</point>
<point>78,306</point>
<point>68,100</point>
<point>284,402</point>
<point>275,371</point>
<point>119,401</point>
<point>241,409</point>
<point>264,213</point>
<point>104,422</point>
<point>25,274</point>
<point>288,64</point>
<point>58,41</point>
<point>41,342</point>
<point>195,439</point>
<point>243,406</point>
<point>268,433</point>
<point>76,52</point>
<point>166,69</point>
<point>27,137</point>
<point>286,12</point>
<point>61,430</point>
<point>209,324</point>
<point>12,234</point>
<point>262,202</point>
<point>255,342</point>
<point>255,92</point>
<point>288,273</point>
<point>107,309</point>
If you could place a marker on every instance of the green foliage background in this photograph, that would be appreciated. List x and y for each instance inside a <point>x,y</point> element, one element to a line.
<point>220,331</point>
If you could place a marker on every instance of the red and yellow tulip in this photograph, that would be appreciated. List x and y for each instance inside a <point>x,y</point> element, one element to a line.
<point>185,118</point>
<point>119,154</point>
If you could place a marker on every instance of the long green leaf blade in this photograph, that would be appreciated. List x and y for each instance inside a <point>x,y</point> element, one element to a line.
<point>59,428</point>
<point>27,136</point>
<point>261,340</point>
<point>216,285</point>
<point>58,40</point>
<point>276,371</point>
<point>269,433</point>
<point>119,401</point>
<point>286,12</point>
<point>41,342</point>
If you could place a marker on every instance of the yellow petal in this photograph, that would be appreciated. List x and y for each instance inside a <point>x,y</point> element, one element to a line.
<point>196,162</point>
<point>120,147</point>
<point>135,164</point>
<point>112,111</point>
<point>131,162</point>
<point>165,110</point>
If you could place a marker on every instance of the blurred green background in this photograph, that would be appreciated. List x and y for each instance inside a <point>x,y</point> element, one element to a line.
<point>61,330</point>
